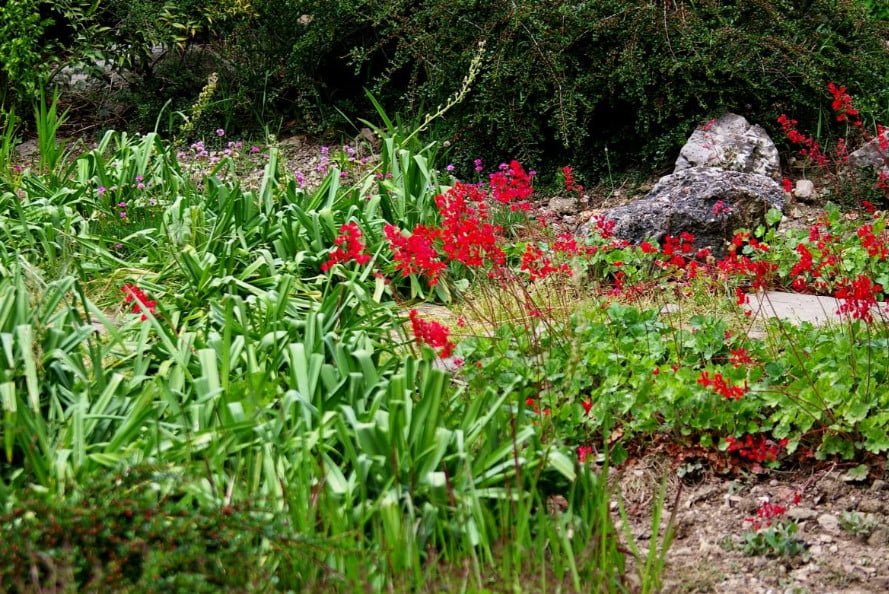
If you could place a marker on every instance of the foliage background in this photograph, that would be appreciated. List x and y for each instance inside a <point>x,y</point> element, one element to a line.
<point>562,80</point>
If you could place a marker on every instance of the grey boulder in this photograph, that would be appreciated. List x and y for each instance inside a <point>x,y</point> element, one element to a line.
<point>872,155</point>
<point>708,202</point>
<point>731,142</point>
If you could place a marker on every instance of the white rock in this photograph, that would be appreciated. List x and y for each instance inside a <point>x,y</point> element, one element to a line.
<point>730,142</point>
<point>804,189</point>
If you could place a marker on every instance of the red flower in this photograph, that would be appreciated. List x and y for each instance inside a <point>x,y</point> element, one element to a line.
<point>141,302</point>
<point>511,186</point>
<point>756,448</point>
<point>584,452</point>
<point>570,184</point>
<point>842,105</point>
<point>431,333</point>
<point>859,297</point>
<point>415,254</point>
<point>587,406</point>
<point>566,244</point>
<point>875,245</point>
<point>466,235</point>
<point>718,384</point>
<point>787,184</point>
<point>538,266</point>
<point>349,248</point>
<point>811,149</point>
<point>766,513</point>
<point>740,357</point>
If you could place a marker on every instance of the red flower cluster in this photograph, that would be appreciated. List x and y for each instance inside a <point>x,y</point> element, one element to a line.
<point>466,235</point>
<point>758,272</point>
<point>349,248</point>
<point>810,147</point>
<point>431,333</point>
<point>512,185</point>
<point>538,266</point>
<point>141,302</point>
<point>842,105</point>
<point>604,226</point>
<point>876,245</point>
<point>740,357</point>
<point>415,254</point>
<point>676,249</point>
<point>718,384</point>
<point>766,514</point>
<point>756,448</point>
<point>859,297</point>
<point>570,184</point>
<point>583,453</point>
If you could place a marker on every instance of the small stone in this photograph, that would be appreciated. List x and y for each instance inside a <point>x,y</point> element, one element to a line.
<point>878,485</point>
<point>829,523</point>
<point>801,513</point>
<point>804,189</point>
<point>871,506</point>
<point>563,205</point>
<point>879,538</point>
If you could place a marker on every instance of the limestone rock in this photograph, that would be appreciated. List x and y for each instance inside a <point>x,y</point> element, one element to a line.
<point>872,155</point>
<point>731,142</point>
<point>804,189</point>
<point>708,202</point>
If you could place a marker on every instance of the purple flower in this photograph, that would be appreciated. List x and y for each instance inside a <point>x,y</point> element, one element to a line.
<point>300,179</point>
<point>450,168</point>
<point>100,190</point>
<point>220,132</point>
<point>325,150</point>
<point>121,204</point>
<point>478,165</point>
<point>140,186</point>
<point>254,149</point>
<point>123,214</point>
<point>532,173</point>
<point>138,178</point>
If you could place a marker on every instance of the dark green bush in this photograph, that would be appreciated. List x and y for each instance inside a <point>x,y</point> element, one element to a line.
<point>139,531</point>
<point>36,39</point>
<point>562,80</point>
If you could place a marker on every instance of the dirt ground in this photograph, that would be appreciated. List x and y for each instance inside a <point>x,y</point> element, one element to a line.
<point>843,528</point>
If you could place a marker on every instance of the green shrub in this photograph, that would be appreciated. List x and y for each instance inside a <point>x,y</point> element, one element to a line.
<point>562,80</point>
<point>136,531</point>
<point>21,63</point>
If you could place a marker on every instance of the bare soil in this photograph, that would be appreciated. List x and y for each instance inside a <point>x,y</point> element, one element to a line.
<point>843,525</point>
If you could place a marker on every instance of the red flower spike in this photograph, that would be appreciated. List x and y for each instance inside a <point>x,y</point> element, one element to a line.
<point>141,302</point>
<point>511,186</point>
<point>415,254</point>
<point>349,248</point>
<point>431,333</point>
<point>718,384</point>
